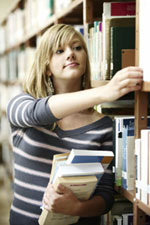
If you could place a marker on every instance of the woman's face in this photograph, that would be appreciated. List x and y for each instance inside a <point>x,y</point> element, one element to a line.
<point>69,61</point>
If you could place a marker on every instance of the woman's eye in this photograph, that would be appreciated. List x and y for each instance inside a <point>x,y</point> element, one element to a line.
<point>59,51</point>
<point>78,48</point>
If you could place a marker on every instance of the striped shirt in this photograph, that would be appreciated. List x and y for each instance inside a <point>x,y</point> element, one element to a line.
<point>34,144</point>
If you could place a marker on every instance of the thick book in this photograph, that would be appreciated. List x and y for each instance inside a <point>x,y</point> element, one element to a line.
<point>90,156</point>
<point>81,186</point>
<point>58,159</point>
<point>79,169</point>
<point>121,38</point>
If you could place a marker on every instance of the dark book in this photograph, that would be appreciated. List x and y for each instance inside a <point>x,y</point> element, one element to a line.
<point>121,38</point>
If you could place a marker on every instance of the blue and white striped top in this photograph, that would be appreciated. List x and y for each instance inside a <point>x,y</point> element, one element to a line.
<point>34,144</point>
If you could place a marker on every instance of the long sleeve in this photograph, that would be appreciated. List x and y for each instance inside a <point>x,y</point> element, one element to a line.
<point>25,111</point>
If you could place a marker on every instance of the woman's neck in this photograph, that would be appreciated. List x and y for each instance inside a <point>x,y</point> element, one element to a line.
<point>62,86</point>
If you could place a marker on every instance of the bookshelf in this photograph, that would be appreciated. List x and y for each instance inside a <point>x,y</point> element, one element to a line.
<point>141,113</point>
<point>81,12</point>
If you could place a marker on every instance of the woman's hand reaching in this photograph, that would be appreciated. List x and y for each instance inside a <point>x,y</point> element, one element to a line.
<point>124,81</point>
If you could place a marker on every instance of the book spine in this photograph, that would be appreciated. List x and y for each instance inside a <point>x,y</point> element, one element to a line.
<point>138,167</point>
<point>119,8</point>
<point>144,165</point>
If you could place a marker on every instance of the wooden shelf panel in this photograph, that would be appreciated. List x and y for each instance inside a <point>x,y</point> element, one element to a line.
<point>146,86</point>
<point>127,194</point>
<point>143,207</point>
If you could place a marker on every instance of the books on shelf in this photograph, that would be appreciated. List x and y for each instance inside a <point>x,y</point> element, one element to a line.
<point>119,123</point>
<point>127,218</point>
<point>138,167</point>
<point>128,158</point>
<point>117,220</point>
<point>143,167</point>
<point>81,178</point>
<point>114,14</point>
<point>121,37</point>
<point>119,8</point>
<point>90,156</point>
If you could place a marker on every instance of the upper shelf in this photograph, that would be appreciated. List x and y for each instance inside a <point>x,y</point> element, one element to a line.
<point>10,9</point>
<point>73,14</point>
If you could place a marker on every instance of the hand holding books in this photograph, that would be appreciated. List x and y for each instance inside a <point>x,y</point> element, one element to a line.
<point>81,178</point>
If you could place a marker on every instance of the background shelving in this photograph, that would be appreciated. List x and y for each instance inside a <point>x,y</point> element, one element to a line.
<point>18,41</point>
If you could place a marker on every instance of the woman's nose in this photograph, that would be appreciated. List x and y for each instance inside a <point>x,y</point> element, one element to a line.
<point>70,53</point>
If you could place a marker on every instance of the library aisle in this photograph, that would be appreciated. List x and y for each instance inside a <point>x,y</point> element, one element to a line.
<point>5,184</point>
<point>5,196</point>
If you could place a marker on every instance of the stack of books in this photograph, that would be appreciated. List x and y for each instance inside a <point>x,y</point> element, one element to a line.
<point>80,171</point>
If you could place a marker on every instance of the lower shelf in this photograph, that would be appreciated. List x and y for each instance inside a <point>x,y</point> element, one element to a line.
<point>127,194</point>
<point>143,207</point>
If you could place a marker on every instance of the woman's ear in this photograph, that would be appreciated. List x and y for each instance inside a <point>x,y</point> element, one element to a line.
<point>49,73</point>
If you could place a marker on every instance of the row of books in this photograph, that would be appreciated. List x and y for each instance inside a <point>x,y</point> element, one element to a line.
<point>6,93</point>
<point>126,219</point>
<point>29,17</point>
<point>80,171</point>
<point>107,39</point>
<point>123,142</point>
<point>16,64</point>
<point>142,150</point>
<point>125,148</point>
<point>111,41</point>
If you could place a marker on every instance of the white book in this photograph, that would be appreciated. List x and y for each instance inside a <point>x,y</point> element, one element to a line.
<point>90,156</point>
<point>130,162</point>
<point>127,218</point>
<point>117,220</point>
<point>79,169</point>
<point>144,164</point>
<point>138,167</point>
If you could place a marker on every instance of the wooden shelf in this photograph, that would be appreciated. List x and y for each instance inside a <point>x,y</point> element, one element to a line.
<point>143,207</point>
<point>146,86</point>
<point>127,194</point>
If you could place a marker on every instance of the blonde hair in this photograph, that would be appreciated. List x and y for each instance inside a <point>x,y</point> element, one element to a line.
<point>36,81</point>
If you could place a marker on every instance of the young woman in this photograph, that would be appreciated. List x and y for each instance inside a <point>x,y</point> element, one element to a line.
<point>55,114</point>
